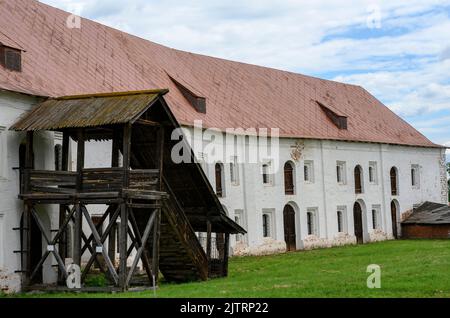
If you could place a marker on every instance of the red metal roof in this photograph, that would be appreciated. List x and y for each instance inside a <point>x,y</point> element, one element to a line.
<point>62,61</point>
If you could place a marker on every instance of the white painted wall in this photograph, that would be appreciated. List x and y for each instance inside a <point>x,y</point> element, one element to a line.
<point>11,107</point>
<point>326,195</point>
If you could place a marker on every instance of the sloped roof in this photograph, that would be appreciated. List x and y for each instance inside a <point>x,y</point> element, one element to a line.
<point>61,61</point>
<point>87,110</point>
<point>429,213</point>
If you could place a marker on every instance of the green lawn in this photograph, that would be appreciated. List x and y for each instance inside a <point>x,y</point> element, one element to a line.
<point>409,269</point>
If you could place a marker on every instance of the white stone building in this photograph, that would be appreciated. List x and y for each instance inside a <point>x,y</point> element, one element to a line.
<point>348,168</point>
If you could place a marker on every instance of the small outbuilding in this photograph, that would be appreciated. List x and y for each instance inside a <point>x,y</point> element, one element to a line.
<point>428,221</point>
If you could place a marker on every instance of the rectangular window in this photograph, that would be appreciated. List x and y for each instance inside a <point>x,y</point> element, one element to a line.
<point>268,223</point>
<point>373,174</point>
<point>308,171</point>
<point>234,171</point>
<point>341,176</point>
<point>342,219</point>
<point>3,154</point>
<point>2,228</point>
<point>311,219</point>
<point>415,178</point>
<point>239,219</point>
<point>376,216</point>
<point>267,173</point>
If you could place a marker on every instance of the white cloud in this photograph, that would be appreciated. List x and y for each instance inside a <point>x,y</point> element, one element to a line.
<point>405,63</point>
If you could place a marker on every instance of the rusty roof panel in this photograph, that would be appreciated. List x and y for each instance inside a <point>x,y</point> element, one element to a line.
<point>87,110</point>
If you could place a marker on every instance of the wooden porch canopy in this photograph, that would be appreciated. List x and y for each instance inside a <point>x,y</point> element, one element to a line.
<point>101,116</point>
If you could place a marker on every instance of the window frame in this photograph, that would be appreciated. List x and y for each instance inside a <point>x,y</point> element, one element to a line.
<point>373,176</point>
<point>342,167</point>
<point>376,217</point>
<point>415,176</point>
<point>343,211</point>
<point>287,190</point>
<point>312,228</point>
<point>267,176</point>
<point>240,214</point>
<point>221,193</point>
<point>270,214</point>
<point>308,165</point>
<point>234,171</point>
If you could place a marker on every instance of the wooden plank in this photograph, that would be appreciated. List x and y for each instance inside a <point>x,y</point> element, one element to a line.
<point>123,246</point>
<point>77,230</point>
<point>80,158</point>
<point>126,154</point>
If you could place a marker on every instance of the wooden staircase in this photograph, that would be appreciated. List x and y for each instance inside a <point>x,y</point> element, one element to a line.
<point>181,256</point>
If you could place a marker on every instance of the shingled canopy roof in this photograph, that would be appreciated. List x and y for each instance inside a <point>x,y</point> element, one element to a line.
<point>429,213</point>
<point>88,110</point>
<point>95,58</point>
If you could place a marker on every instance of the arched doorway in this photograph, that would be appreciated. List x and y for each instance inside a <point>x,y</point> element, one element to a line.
<point>358,180</point>
<point>394,219</point>
<point>358,223</point>
<point>394,181</point>
<point>289,178</point>
<point>289,228</point>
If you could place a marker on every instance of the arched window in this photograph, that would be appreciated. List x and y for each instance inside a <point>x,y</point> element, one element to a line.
<point>358,180</point>
<point>219,180</point>
<point>288,178</point>
<point>394,181</point>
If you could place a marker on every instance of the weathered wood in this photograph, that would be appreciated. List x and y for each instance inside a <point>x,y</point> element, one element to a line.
<point>26,239</point>
<point>123,246</point>
<point>208,240</point>
<point>126,154</point>
<point>99,243</point>
<point>77,230</point>
<point>145,237</point>
<point>156,245</point>
<point>226,255</point>
<point>138,239</point>
<point>115,153</point>
<point>80,159</point>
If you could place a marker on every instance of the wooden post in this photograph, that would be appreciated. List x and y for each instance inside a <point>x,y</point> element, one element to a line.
<point>80,159</point>
<point>29,164</point>
<point>77,231</point>
<point>78,227</point>
<point>160,155</point>
<point>114,163</point>
<point>208,241</point>
<point>123,248</point>
<point>226,254</point>
<point>26,244</point>
<point>126,154</point>
<point>156,238</point>
<point>62,248</point>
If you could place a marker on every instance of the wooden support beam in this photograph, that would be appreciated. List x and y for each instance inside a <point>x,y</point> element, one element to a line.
<point>80,159</point>
<point>115,149</point>
<point>126,155</point>
<point>123,249</point>
<point>160,155</point>
<point>147,122</point>
<point>26,244</point>
<point>226,255</point>
<point>62,246</point>
<point>208,240</point>
<point>156,245</point>
<point>29,162</point>
<point>77,230</point>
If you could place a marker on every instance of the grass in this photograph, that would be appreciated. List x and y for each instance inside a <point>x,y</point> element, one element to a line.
<point>413,268</point>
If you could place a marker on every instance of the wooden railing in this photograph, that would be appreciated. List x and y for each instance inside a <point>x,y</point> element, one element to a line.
<point>93,180</point>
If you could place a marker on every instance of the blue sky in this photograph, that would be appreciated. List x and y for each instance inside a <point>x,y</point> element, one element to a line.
<point>398,50</point>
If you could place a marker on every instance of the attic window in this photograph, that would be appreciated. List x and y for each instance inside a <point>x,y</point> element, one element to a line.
<point>339,120</point>
<point>198,102</point>
<point>10,58</point>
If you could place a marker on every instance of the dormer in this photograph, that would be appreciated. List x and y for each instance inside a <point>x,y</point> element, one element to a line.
<point>11,58</point>
<point>196,101</point>
<point>338,119</point>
